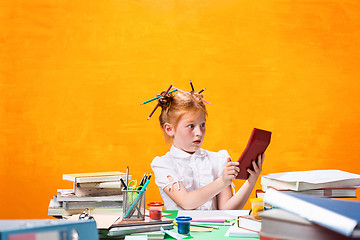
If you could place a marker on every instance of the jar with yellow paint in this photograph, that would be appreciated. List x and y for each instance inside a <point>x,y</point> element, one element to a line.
<point>257,205</point>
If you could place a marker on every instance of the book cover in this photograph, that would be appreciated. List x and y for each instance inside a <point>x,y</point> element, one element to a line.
<point>314,179</point>
<point>341,216</point>
<point>257,144</point>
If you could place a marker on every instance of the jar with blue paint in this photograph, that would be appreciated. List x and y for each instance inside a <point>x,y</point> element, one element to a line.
<point>183,223</point>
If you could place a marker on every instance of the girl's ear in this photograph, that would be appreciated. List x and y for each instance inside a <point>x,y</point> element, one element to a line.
<point>169,129</point>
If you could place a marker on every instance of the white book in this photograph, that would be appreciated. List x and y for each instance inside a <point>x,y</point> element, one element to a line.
<point>74,198</point>
<point>235,231</point>
<point>249,222</point>
<point>315,179</point>
<point>95,177</point>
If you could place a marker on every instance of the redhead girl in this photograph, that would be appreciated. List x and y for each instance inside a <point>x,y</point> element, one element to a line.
<point>188,176</point>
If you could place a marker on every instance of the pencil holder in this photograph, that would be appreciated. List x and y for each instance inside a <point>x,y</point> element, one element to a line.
<point>134,204</point>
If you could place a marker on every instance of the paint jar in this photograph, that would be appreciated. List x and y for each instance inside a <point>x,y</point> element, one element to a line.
<point>257,205</point>
<point>183,224</point>
<point>155,210</point>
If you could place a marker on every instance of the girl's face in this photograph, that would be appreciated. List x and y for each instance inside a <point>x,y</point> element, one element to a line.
<point>190,131</point>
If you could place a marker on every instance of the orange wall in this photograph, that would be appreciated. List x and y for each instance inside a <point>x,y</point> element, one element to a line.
<point>73,73</point>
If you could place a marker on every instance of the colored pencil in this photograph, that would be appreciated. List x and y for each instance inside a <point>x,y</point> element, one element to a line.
<point>157,105</point>
<point>156,97</point>
<point>192,87</point>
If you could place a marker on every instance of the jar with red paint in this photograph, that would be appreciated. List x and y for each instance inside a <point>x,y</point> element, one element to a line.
<point>155,210</point>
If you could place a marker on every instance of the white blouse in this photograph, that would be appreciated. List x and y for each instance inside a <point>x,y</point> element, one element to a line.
<point>193,170</point>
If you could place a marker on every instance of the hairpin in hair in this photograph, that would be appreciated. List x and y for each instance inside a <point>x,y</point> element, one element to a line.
<point>157,105</point>
<point>168,92</point>
<point>199,92</point>
<point>150,100</point>
<point>192,87</point>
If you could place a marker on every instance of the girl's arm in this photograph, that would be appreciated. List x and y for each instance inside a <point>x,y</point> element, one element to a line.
<point>196,198</point>
<point>226,200</point>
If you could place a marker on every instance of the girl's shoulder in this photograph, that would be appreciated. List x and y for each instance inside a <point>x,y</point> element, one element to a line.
<point>158,160</point>
<point>218,154</point>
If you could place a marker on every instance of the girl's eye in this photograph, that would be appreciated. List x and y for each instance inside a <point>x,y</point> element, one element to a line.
<point>191,126</point>
<point>202,125</point>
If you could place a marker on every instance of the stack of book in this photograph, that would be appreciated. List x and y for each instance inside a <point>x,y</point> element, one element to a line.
<point>301,217</point>
<point>320,183</point>
<point>101,192</point>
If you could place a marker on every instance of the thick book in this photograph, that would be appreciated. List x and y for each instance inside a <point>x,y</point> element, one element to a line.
<point>95,177</point>
<point>124,227</point>
<point>235,231</point>
<point>249,222</point>
<point>30,229</point>
<point>74,198</point>
<point>96,192</point>
<point>257,144</point>
<point>342,216</point>
<point>280,224</point>
<point>314,179</point>
<point>94,204</point>
<point>349,192</point>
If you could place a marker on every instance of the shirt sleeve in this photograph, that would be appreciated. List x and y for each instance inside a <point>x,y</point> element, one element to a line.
<point>162,168</point>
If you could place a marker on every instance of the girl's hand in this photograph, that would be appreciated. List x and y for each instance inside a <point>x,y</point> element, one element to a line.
<point>230,171</point>
<point>257,165</point>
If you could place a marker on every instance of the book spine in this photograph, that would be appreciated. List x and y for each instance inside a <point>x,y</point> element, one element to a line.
<point>311,212</point>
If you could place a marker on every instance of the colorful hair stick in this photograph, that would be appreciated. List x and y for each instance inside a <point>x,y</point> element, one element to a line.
<point>156,98</point>
<point>157,105</point>
<point>185,92</point>
<point>192,87</point>
<point>202,90</point>
<point>179,90</point>
<point>207,102</point>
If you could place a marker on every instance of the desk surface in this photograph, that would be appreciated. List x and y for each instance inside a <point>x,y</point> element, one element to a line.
<point>215,234</point>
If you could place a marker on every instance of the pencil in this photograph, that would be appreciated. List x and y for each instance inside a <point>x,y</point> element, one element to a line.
<point>157,105</point>
<point>192,87</point>
<point>156,98</point>
<point>202,90</point>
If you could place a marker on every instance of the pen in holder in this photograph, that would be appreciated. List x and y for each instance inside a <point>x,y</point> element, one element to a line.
<point>134,204</point>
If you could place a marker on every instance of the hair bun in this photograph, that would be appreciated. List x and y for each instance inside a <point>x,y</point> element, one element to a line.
<point>165,100</point>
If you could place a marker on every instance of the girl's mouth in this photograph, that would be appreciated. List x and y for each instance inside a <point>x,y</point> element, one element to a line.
<point>197,141</point>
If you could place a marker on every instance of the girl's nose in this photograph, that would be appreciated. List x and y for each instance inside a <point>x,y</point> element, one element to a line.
<point>198,131</point>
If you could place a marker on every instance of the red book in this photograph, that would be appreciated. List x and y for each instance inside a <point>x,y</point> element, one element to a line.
<point>257,144</point>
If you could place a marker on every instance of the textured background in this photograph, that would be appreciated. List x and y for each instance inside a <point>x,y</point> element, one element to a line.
<point>73,75</point>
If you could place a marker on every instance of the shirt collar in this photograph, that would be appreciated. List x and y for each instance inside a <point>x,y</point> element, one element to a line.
<point>176,152</point>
